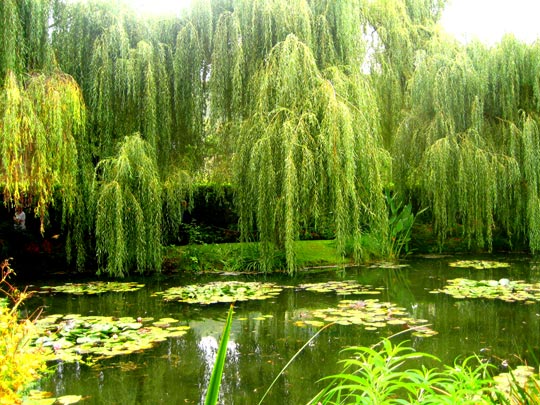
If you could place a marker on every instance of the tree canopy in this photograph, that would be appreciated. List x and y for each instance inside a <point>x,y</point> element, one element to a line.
<point>313,110</point>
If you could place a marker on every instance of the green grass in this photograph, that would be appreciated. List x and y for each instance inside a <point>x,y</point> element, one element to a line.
<point>242,256</point>
<point>313,253</point>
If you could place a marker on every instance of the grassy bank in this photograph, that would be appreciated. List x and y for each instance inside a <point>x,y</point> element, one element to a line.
<point>243,256</point>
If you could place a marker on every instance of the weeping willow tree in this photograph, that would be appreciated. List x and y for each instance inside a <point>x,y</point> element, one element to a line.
<point>132,92</point>
<point>10,35</point>
<point>304,152</point>
<point>40,122</point>
<point>445,149</point>
<point>76,25</point>
<point>128,210</point>
<point>531,173</point>
<point>177,199</point>
<point>111,86</point>
<point>145,103</point>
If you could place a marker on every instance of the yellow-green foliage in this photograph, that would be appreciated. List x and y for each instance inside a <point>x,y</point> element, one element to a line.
<point>40,122</point>
<point>20,363</point>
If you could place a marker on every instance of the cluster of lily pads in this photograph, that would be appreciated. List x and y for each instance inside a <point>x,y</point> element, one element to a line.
<point>85,339</point>
<point>220,291</point>
<point>479,264</point>
<point>347,287</point>
<point>92,287</point>
<point>370,313</point>
<point>503,289</point>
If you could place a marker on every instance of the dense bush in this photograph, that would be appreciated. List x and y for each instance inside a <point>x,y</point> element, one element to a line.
<point>20,363</point>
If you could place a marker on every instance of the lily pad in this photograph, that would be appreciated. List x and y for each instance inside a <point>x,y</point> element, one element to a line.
<point>92,287</point>
<point>220,291</point>
<point>388,265</point>
<point>88,339</point>
<point>479,264</point>
<point>370,313</point>
<point>502,289</point>
<point>45,398</point>
<point>347,287</point>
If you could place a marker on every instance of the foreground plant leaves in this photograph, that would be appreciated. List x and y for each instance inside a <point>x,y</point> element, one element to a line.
<point>347,287</point>
<point>220,291</point>
<point>370,313</point>
<point>520,385</point>
<point>92,287</point>
<point>479,264</point>
<point>504,289</point>
<point>86,339</point>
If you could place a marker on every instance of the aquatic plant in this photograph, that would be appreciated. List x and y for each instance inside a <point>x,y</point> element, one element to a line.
<point>220,291</point>
<point>392,374</point>
<point>400,223</point>
<point>479,264</point>
<point>519,386</point>
<point>86,339</point>
<point>346,287</point>
<point>370,313</point>
<point>503,289</point>
<point>92,287</point>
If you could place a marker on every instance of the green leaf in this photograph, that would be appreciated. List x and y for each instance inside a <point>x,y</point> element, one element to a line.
<point>215,380</point>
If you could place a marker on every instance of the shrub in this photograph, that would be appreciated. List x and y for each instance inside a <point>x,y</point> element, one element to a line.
<point>20,364</point>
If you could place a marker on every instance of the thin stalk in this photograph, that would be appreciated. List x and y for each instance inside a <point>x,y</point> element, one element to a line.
<point>292,359</point>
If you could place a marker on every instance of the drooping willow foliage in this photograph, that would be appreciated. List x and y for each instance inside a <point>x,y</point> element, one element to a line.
<point>128,210</point>
<point>311,109</point>
<point>40,121</point>
<point>189,95</point>
<point>305,152</point>
<point>398,32</point>
<point>467,145</point>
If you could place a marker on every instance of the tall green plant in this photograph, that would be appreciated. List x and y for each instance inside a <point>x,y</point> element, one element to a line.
<point>400,224</point>
<point>212,393</point>
<point>391,375</point>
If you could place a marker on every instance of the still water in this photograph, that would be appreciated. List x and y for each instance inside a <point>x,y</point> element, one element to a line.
<point>177,371</point>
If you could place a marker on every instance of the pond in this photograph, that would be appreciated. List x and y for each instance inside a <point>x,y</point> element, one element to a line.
<point>267,333</point>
